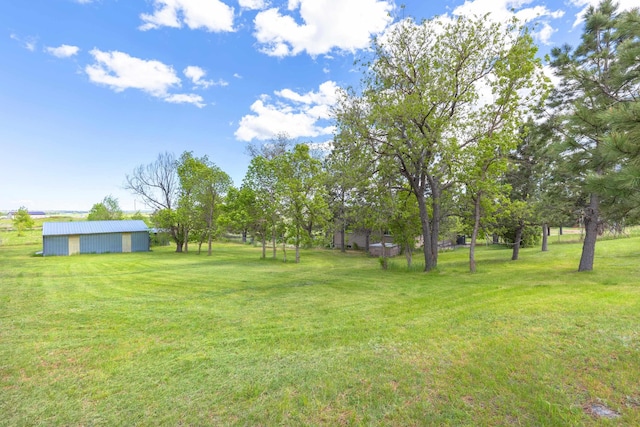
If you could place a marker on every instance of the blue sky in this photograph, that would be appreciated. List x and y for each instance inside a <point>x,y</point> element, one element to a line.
<point>90,89</point>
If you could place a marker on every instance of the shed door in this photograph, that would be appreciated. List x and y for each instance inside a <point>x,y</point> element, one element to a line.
<point>74,245</point>
<point>126,242</point>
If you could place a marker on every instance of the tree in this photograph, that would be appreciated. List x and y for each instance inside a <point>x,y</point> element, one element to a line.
<point>422,96</point>
<point>301,185</point>
<point>107,210</point>
<point>593,84</point>
<point>240,211</point>
<point>405,223</point>
<point>261,180</point>
<point>621,146</point>
<point>158,185</point>
<point>528,164</point>
<point>203,186</point>
<point>22,220</point>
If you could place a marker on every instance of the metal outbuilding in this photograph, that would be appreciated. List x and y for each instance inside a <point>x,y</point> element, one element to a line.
<point>87,237</point>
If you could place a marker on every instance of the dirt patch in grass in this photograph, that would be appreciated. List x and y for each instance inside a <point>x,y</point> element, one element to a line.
<point>598,410</point>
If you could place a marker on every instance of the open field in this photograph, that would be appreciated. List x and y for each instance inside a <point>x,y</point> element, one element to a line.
<point>179,339</point>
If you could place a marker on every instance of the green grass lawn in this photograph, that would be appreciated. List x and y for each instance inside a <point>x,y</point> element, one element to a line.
<point>161,338</point>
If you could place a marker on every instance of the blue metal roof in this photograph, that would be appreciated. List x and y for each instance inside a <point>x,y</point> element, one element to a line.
<point>92,227</point>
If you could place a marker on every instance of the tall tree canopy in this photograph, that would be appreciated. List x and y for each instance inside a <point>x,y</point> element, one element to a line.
<point>433,92</point>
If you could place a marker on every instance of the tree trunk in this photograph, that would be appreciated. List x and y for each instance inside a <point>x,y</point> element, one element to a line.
<point>174,235</point>
<point>367,234</point>
<point>210,223</point>
<point>591,230</point>
<point>384,254</point>
<point>343,247</point>
<point>426,232</point>
<point>244,236</point>
<point>273,239</point>
<point>264,245</point>
<point>474,235</point>
<point>545,237</point>
<point>434,226</point>
<point>186,241</point>
<point>284,251</point>
<point>516,243</point>
<point>408,253</point>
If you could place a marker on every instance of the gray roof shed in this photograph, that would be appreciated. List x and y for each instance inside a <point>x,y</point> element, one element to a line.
<point>92,227</point>
<point>82,237</point>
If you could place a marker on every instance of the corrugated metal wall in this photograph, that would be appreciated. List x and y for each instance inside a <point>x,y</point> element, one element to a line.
<point>140,241</point>
<point>100,243</point>
<point>55,245</point>
<point>95,243</point>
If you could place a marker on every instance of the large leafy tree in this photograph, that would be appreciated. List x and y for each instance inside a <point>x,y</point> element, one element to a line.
<point>594,86</point>
<point>108,209</point>
<point>261,182</point>
<point>423,95</point>
<point>203,187</point>
<point>301,184</point>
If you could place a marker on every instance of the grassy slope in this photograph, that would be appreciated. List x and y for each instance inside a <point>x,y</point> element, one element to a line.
<point>163,339</point>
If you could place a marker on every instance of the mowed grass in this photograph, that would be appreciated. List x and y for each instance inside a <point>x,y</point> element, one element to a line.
<point>161,338</point>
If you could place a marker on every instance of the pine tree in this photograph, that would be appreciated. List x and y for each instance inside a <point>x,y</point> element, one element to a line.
<point>591,86</point>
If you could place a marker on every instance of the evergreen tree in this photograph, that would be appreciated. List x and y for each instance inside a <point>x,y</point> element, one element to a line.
<point>592,86</point>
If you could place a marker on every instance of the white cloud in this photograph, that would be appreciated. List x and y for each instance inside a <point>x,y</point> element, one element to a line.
<point>196,75</point>
<point>327,25</point>
<point>63,51</point>
<point>545,32</point>
<point>299,115</point>
<point>504,10</point>
<point>211,15</point>
<point>186,98</point>
<point>29,43</point>
<point>252,4</point>
<point>237,76</point>
<point>120,71</point>
<point>584,4</point>
<point>551,74</point>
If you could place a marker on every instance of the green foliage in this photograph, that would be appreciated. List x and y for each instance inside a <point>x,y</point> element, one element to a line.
<point>421,117</point>
<point>203,186</point>
<point>107,210</point>
<point>300,182</point>
<point>22,220</point>
<point>261,188</point>
<point>530,236</point>
<point>161,238</point>
<point>599,84</point>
